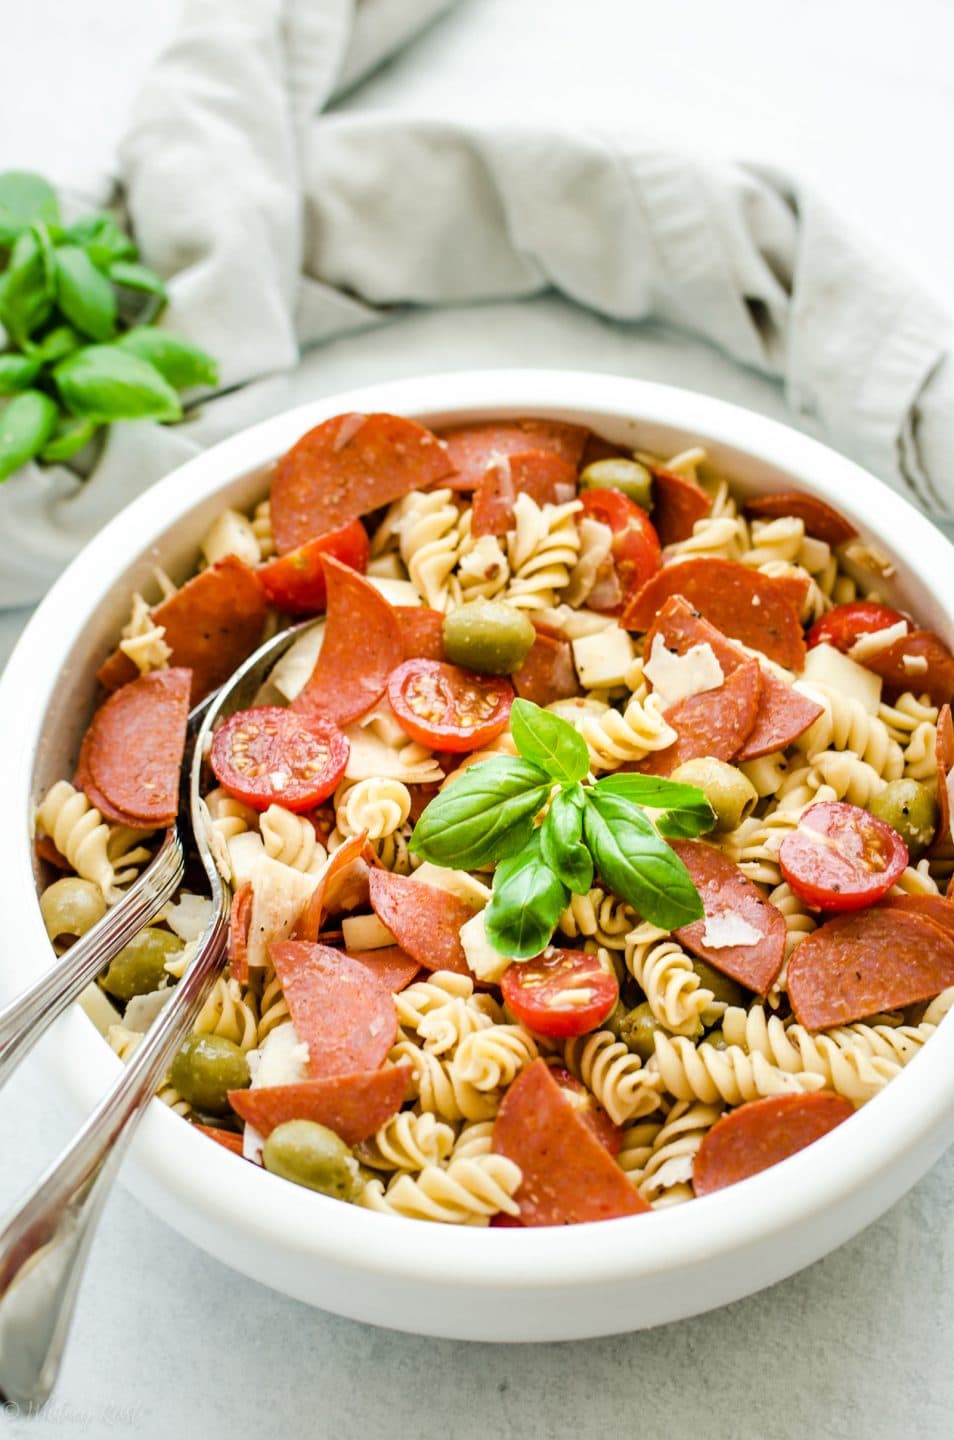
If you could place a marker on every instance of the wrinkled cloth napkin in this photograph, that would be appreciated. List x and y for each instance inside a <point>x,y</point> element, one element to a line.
<point>282,227</point>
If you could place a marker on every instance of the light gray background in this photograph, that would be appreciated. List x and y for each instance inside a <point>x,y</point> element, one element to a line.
<point>857,97</point>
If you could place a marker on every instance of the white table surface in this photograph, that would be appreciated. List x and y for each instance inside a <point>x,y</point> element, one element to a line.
<point>168,1342</point>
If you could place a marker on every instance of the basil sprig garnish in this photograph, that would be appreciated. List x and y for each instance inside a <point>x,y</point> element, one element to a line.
<point>78,350</point>
<point>497,812</point>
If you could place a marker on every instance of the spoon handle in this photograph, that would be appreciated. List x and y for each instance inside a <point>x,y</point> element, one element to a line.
<point>44,1242</point>
<point>28,1014</point>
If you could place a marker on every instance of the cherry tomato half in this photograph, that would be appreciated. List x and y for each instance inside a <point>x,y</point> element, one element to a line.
<point>584,1103</point>
<point>448,708</point>
<point>636,551</point>
<point>560,993</point>
<point>843,625</point>
<point>841,857</point>
<point>270,756</point>
<point>295,582</point>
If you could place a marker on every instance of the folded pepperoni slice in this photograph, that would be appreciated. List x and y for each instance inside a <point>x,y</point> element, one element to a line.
<point>391,965</point>
<point>422,632</point>
<point>568,1175</point>
<point>751,607</point>
<point>936,908</point>
<point>858,965</point>
<point>471,448</point>
<point>295,582</point>
<point>362,645</point>
<point>227,1138</point>
<point>762,1133</point>
<point>783,713</point>
<point>347,467</point>
<point>132,752</point>
<point>741,934</point>
<point>354,1106</point>
<point>821,520</point>
<point>544,476</point>
<point>211,624</point>
<point>342,1013</point>
<point>714,722</point>
<point>548,673</point>
<point>920,661</point>
<point>424,921</point>
<point>240,916</point>
<point>678,503</point>
<point>343,886</point>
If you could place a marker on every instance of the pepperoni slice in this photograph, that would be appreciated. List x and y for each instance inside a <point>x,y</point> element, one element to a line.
<point>821,520</point>
<point>568,1176</point>
<point>714,722</point>
<point>211,624</point>
<point>132,752</point>
<point>347,467</point>
<point>391,965</point>
<point>635,550</point>
<point>678,503</point>
<point>343,886</point>
<point>921,662</point>
<point>584,1103</point>
<point>731,901</point>
<point>783,713</point>
<point>354,1106</point>
<point>424,921</point>
<point>944,756</point>
<point>226,1138</point>
<point>422,632</point>
<point>362,645</point>
<point>935,908</point>
<point>761,1133</point>
<point>46,850</point>
<point>240,916</point>
<point>548,673</point>
<point>544,476</point>
<point>342,1013</point>
<point>744,604</point>
<point>840,857</point>
<point>295,582</point>
<point>471,448</point>
<point>858,965</point>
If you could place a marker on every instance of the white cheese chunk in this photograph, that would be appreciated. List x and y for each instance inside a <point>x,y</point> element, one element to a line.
<point>872,642</point>
<point>725,929</point>
<point>143,1009</point>
<point>293,671</point>
<point>365,932</point>
<point>455,882</point>
<point>231,534</point>
<point>246,852</point>
<point>675,677</point>
<point>482,958</point>
<point>282,1058</point>
<point>279,895</point>
<point>188,916</point>
<point>827,667</point>
<point>914,664</point>
<point>602,660</point>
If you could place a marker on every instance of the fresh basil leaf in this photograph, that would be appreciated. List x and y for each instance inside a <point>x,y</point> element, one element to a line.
<point>54,345</point>
<point>104,383</point>
<point>69,437</point>
<point>102,239</point>
<point>486,814</point>
<point>137,277</point>
<point>561,843</point>
<point>687,811</point>
<point>527,901</point>
<point>548,741</point>
<point>178,361</point>
<point>25,197</point>
<point>84,294</point>
<point>26,422</point>
<point>17,372</point>
<point>28,292</point>
<point>636,864</point>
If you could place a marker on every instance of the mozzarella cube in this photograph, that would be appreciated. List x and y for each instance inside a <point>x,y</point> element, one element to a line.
<point>482,958</point>
<point>675,677</point>
<point>603,659</point>
<point>827,667</point>
<point>455,882</point>
<point>365,932</point>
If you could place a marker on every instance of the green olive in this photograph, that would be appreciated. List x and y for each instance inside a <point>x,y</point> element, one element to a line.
<point>205,1069</point>
<point>721,986</point>
<point>70,907</point>
<point>910,808</point>
<point>312,1155</point>
<point>628,476</point>
<point>488,636</point>
<point>716,1039</point>
<point>638,1031</point>
<point>727,790</point>
<point>140,966</point>
<point>614,1020</point>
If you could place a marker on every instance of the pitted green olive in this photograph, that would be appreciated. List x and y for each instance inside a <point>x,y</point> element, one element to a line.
<point>310,1154</point>
<point>614,1020</point>
<point>70,907</point>
<point>140,966</point>
<point>910,808</point>
<point>488,636</point>
<point>205,1069</point>
<point>628,476</point>
<point>727,790</point>
<point>723,989</point>
<point>637,1031</point>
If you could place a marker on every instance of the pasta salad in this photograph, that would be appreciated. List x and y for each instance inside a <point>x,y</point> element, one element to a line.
<point>588,853</point>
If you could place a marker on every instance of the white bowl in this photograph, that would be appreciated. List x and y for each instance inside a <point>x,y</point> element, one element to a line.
<point>538,1284</point>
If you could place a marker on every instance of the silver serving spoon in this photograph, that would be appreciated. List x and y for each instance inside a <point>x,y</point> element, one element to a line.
<point>44,1242</point>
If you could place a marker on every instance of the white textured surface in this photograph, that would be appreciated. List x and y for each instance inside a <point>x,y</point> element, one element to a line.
<point>857,98</point>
